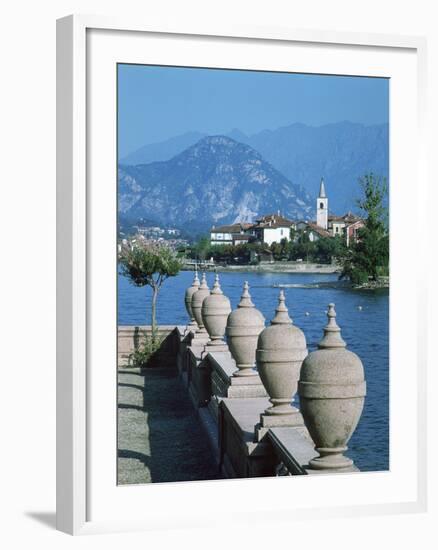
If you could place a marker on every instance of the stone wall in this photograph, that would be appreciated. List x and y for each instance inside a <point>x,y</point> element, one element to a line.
<point>130,337</point>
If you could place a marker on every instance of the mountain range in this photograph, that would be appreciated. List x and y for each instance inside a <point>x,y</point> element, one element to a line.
<point>215,181</point>
<point>340,152</point>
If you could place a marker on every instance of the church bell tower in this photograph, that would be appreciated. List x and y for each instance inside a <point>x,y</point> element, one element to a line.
<point>322,207</point>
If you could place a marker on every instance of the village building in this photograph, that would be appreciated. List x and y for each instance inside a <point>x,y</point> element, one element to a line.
<point>233,234</point>
<point>316,232</point>
<point>345,226</point>
<point>336,225</point>
<point>272,228</point>
<point>352,229</point>
<point>313,230</point>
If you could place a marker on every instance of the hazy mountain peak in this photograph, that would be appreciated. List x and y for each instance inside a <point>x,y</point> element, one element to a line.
<point>220,141</point>
<point>221,147</point>
<point>217,180</point>
<point>341,152</point>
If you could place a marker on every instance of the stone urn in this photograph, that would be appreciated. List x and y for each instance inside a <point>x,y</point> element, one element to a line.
<point>197,299</point>
<point>188,301</point>
<point>244,325</point>
<point>215,310</point>
<point>281,349</point>
<point>332,391</point>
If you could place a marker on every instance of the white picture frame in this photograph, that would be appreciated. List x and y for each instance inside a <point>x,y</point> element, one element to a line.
<point>77,226</point>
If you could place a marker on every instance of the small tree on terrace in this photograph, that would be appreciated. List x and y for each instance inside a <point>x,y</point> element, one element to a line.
<point>148,264</point>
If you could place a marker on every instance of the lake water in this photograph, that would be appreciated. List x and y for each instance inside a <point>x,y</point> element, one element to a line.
<point>362,315</point>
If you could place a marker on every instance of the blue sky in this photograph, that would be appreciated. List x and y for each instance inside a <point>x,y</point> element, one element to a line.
<point>156,103</point>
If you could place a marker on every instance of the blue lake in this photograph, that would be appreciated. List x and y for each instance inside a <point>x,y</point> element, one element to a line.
<point>362,315</point>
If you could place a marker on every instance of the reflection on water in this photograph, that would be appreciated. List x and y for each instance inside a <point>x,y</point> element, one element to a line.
<point>362,315</point>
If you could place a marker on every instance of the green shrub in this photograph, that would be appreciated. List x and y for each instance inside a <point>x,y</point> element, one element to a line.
<point>383,271</point>
<point>358,277</point>
<point>141,356</point>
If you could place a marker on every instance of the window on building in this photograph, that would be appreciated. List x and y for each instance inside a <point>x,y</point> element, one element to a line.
<point>321,205</point>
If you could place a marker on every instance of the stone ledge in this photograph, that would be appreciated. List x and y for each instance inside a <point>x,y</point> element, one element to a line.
<point>239,451</point>
<point>292,420</point>
<point>224,384</point>
<point>295,448</point>
<point>244,415</point>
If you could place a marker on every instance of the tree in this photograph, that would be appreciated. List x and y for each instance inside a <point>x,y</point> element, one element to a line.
<point>277,250</point>
<point>305,248</point>
<point>203,248</point>
<point>148,264</point>
<point>329,248</point>
<point>368,256</point>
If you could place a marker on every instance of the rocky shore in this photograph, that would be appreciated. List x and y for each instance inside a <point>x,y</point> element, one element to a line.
<point>382,282</point>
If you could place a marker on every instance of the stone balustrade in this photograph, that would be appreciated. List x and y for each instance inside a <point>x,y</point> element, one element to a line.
<point>248,389</point>
<point>244,393</point>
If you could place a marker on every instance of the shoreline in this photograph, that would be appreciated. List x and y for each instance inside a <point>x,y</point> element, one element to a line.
<point>276,267</point>
<point>337,285</point>
<point>298,269</point>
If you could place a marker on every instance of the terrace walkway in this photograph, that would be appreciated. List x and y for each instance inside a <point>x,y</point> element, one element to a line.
<point>160,436</point>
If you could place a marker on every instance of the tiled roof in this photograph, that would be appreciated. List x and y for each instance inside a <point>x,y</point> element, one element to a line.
<point>320,230</point>
<point>232,228</point>
<point>273,221</point>
<point>358,221</point>
<point>349,217</point>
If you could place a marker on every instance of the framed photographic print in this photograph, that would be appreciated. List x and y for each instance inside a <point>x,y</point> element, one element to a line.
<point>237,209</point>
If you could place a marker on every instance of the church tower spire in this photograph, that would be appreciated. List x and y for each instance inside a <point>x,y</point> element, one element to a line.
<point>322,207</point>
<point>322,194</point>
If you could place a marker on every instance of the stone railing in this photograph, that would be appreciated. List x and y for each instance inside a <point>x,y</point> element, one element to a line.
<point>243,389</point>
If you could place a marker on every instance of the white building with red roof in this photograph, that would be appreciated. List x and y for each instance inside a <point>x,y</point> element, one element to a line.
<point>273,228</point>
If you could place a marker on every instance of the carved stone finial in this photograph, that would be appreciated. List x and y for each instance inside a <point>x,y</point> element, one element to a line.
<point>332,391</point>
<point>215,310</point>
<point>281,349</point>
<point>332,333</point>
<point>216,286</point>
<point>188,301</point>
<point>203,281</point>
<point>245,299</point>
<point>244,325</point>
<point>197,299</point>
<point>281,313</point>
